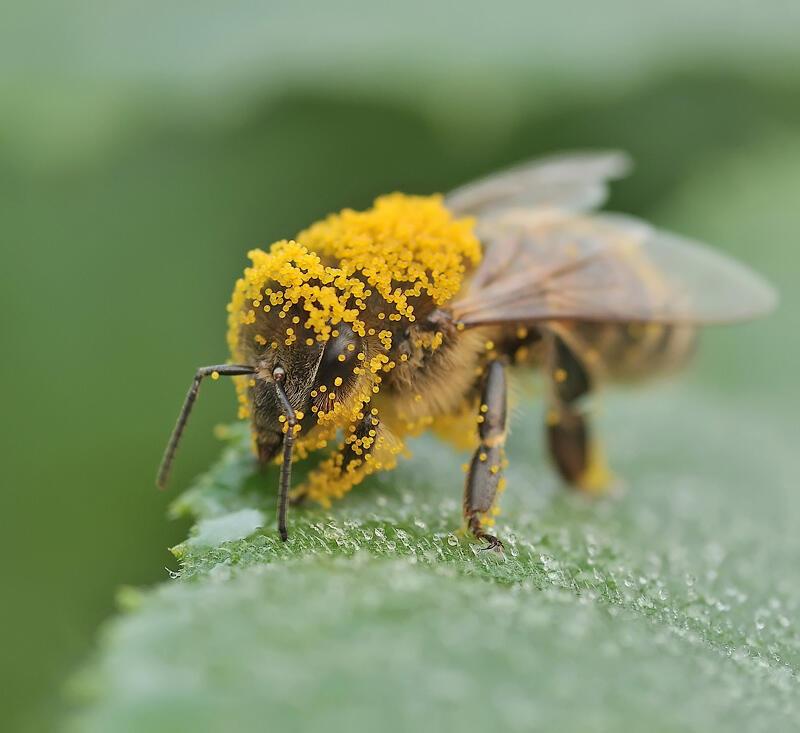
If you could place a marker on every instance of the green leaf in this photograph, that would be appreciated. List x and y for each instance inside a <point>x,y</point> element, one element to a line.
<point>665,604</point>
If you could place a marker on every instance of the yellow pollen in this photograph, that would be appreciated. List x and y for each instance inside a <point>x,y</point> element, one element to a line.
<point>215,375</point>
<point>403,250</point>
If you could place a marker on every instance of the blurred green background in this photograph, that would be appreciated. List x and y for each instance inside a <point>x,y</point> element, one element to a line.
<point>145,148</point>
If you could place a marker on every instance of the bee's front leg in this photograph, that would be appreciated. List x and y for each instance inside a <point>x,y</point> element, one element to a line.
<point>359,445</point>
<point>361,441</point>
<point>484,478</point>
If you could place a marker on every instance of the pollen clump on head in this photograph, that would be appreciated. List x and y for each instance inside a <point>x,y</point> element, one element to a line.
<point>384,259</point>
<point>404,246</point>
<point>401,248</point>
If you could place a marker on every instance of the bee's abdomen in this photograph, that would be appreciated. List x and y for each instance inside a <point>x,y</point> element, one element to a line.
<point>630,351</point>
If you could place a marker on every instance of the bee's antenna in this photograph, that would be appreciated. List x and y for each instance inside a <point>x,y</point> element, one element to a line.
<point>279,376</point>
<point>225,370</point>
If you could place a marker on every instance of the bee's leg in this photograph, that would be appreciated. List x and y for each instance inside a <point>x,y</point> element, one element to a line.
<point>359,443</point>
<point>484,477</point>
<point>575,453</point>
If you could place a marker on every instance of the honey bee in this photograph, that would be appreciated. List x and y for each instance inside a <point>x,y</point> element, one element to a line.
<point>372,326</point>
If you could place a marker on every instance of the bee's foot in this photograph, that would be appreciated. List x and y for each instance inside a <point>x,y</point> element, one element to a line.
<point>492,543</point>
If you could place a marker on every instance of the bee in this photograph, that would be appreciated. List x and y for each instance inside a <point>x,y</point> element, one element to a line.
<point>372,326</point>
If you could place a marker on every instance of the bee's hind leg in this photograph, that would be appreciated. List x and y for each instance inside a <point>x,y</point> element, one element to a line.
<point>484,477</point>
<point>575,453</point>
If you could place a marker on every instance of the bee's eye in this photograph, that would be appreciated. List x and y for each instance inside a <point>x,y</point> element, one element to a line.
<point>339,359</point>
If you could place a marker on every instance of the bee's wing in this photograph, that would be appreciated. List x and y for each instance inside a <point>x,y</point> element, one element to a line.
<point>604,267</point>
<point>567,182</point>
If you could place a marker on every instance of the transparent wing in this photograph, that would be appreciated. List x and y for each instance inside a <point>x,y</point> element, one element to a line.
<point>568,182</point>
<point>604,267</point>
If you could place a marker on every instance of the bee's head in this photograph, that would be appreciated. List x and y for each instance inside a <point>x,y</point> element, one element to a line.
<point>315,375</point>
